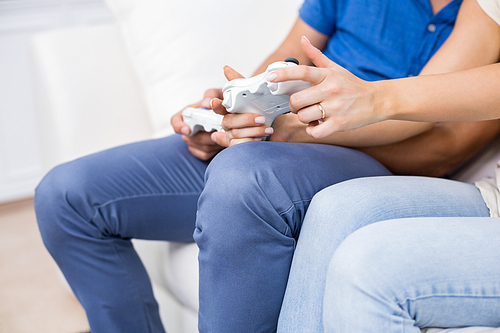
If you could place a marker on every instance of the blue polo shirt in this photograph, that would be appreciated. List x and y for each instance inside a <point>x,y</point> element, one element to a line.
<point>380,39</point>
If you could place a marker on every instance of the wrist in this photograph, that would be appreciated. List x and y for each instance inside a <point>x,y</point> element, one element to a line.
<point>385,105</point>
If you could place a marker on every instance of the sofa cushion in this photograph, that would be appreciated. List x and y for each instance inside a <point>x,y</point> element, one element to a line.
<point>87,97</point>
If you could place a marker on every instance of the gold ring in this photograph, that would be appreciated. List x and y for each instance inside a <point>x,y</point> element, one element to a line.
<point>323,114</point>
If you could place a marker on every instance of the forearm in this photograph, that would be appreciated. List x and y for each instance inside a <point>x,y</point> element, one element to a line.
<point>438,151</point>
<point>461,96</point>
<point>468,95</point>
<point>290,129</point>
<point>378,134</point>
<point>434,152</point>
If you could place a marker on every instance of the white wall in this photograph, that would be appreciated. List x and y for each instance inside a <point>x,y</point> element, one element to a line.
<point>20,160</point>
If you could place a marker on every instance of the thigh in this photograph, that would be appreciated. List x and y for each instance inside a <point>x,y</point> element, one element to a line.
<point>88,210</point>
<point>277,180</point>
<point>419,272</point>
<point>341,209</point>
<point>249,216</point>
<point>147,189</point>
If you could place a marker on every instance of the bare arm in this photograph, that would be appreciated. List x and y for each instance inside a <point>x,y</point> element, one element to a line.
<point>474,42</point>
<point>461,96</point>
<point>466,95</point>
<point>288,128</point>
<point>241,127</point>
<point>437,152</point>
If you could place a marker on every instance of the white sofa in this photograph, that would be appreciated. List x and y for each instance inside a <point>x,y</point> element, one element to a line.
<point>102,86</point>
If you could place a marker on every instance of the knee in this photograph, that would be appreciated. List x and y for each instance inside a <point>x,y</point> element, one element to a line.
<point>357,257</point>
<point>369,278</point>
<point>237,170</point>
<point>352,204</point>
<point>58,196</point>
<point>240,182</point>
<point>372,264</point>
<point>235,161</point>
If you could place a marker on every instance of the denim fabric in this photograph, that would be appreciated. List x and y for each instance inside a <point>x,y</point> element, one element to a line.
<point>89,209</point>
<point>255,197</point>
<point>402,275</point>
<point>380,39</point>
<point>250,214</point>
<point>340,210</point>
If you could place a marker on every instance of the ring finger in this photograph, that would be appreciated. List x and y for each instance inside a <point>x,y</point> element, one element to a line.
<point>311,113</point>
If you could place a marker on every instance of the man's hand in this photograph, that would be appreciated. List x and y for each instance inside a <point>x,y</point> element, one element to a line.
<point>238,128</point>
<point>200,144</point>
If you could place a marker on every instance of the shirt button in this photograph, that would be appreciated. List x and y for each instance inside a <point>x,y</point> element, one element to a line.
<point>431,28</point>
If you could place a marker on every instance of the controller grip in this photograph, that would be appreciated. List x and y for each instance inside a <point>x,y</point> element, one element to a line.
<point>199,119</point>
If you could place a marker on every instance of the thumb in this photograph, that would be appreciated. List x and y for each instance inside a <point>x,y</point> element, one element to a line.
<point>231,74</point>
<point>315,55</point>
<point>178,124</point>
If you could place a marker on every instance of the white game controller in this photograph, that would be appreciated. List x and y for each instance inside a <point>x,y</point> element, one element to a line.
<point>256,95</point>
<point>201,119</point>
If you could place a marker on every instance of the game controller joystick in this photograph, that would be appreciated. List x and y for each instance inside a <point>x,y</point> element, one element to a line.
<point>256,95</point>
<point>201,119</point>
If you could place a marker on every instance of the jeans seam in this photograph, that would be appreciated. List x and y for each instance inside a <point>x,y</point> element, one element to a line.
<point>448,295</point>
<point>281,214</point>
<point>293,205</point>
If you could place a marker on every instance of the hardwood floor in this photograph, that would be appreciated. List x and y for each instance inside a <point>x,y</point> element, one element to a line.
<point>33,294</point>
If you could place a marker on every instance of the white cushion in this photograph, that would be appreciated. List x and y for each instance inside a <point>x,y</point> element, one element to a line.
<point>87,97</point>
<point>481,166</point>
<point>181,273</point>
<point>178,48</point>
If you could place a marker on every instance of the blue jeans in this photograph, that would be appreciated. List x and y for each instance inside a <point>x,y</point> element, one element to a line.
<point>399,275</point>
<point>402,275</point>
<point>253,199</point>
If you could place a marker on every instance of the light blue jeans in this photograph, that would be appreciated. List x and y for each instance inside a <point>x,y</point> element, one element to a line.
<point>398,275</point>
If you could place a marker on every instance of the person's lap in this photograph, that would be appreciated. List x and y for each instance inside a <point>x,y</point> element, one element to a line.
<point>89,209</point>
<point>250,214</point>
<point>340,210</point>
<point>406,274</point>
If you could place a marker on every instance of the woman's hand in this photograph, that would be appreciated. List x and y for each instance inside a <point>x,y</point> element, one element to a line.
<point>243,127</point>
<point>337,100</point>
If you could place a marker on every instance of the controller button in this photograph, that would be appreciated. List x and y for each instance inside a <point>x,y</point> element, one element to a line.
<point>295,61</point>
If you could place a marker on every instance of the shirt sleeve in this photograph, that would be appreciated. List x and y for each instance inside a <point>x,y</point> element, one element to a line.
<point>320,15</point>
<point>492,8</point>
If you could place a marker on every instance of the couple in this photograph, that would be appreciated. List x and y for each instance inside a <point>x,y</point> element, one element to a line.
<point>248,204</point>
